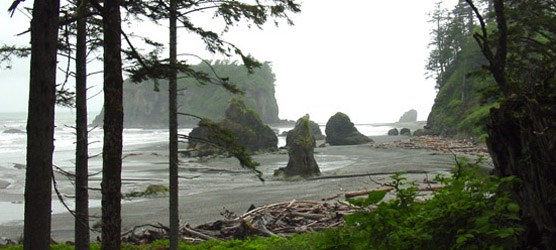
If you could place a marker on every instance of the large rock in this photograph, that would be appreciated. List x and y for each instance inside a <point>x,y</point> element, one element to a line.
<point>244,124</point>
<point>393,132</point>
<point>146,108</point>
<point>405,131</point>
<point>409,116</point>
<point>315,130</point>
<point>341,131</point>
<point>420,132</point>
<point>301,144</point>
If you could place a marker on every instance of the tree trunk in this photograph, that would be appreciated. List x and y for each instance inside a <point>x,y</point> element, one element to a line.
<point>522,142</point>
<point>40,124</point>
<point>82,237</point>
<point>173,127</point>
<point>113,127</point>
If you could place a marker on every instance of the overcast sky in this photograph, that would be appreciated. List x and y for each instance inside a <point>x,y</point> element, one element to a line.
<point>364,58</point>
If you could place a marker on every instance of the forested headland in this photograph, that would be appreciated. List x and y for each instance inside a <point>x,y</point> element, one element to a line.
<point>145,107</point>
<point>456,63</point>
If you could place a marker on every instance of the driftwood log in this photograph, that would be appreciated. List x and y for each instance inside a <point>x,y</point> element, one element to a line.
<point>440,144</point>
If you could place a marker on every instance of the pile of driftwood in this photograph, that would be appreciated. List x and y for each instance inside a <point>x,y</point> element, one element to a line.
<point>278,219</point>
<point>441,144</point>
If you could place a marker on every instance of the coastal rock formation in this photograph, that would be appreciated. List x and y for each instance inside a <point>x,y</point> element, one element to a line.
<point>244,124</point>
<point>341,131</point>
<point>301,144</point>
<point>146,108</point>
<point>393,132</point>
<point>248,128</point>
<point>409,116</point>
<point>13,131</point>
<point>405,131</point>
<point>419,132</point>
<point>314,129</point>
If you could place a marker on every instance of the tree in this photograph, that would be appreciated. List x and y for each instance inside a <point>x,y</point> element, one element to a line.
<point>173,127</point>
<point>40,123</point>
<point>82,236</point>
<point>113,125</point>
<point>522,136</point>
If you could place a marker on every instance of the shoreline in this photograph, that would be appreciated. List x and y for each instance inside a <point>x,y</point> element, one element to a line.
<point>209,185</point>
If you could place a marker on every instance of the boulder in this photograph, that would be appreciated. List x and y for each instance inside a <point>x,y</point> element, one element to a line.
<point>393,132</point>
<point>420,132</point>
<point>341,131</point>
<point>409,116</point>
<point>243,123</point>
<point>13,131</point>
<point>405,131</point>
<point>301,144</point>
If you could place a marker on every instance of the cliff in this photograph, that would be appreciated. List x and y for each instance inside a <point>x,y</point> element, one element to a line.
<point>146,108</point>
<point>463,100</point>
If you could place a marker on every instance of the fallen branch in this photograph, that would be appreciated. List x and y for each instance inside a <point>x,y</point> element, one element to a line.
<point>197,234</point>
<point>352,194</point>
<point>365,174</point>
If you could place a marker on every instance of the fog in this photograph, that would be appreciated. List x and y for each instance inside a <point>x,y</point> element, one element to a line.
<point>363,58</point>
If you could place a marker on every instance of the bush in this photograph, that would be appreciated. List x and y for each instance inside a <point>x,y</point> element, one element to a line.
<point>470,212</point>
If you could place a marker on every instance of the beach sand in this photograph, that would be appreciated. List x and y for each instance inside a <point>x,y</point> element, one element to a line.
<point>208,186</point>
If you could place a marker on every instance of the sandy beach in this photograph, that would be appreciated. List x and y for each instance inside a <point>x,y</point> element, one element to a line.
<point>207,186</point>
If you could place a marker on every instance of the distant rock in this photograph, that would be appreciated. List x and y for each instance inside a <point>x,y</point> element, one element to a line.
<point>13,131</point>
<point>315,130</point>
<point>409,116</point>
<point>301,144</point>
<point>248,128</point>
<point>341,131</point>
<point>244,124</point>
<point>393,132</point>
<point>146,108</point>
<point>405,131</point>
<point>420,132</point>
<point>19,166</point>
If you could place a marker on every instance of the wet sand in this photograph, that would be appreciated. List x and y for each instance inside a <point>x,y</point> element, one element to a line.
<point>209,185</point>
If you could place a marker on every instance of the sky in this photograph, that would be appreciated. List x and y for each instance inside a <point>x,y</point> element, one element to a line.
<point>363,58</point>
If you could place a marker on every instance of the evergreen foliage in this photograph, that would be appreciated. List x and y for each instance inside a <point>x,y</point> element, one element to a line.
<point>470,212</point>
<point>465,91</point>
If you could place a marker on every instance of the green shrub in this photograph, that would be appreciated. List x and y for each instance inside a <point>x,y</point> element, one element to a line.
<point>470,212</point>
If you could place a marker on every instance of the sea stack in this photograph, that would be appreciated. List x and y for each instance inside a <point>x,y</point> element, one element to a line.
<point>301,145</point>
<point>341,131</point>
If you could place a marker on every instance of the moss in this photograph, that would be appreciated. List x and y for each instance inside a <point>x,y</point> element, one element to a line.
<point>151,190</point>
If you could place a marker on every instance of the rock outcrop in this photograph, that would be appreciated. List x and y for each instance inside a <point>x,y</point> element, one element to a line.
<point>405,131</point>
<point>146,108</point>
<point>341,131</point>
<point>419,132</point>
<point>393,132</point>
<point>301,144</point>
<point>244,124</point>
<point>409,116</point>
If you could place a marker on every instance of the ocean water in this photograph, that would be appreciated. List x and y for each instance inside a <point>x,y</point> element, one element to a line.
<point>12,146</point>
<point>13,150</point>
